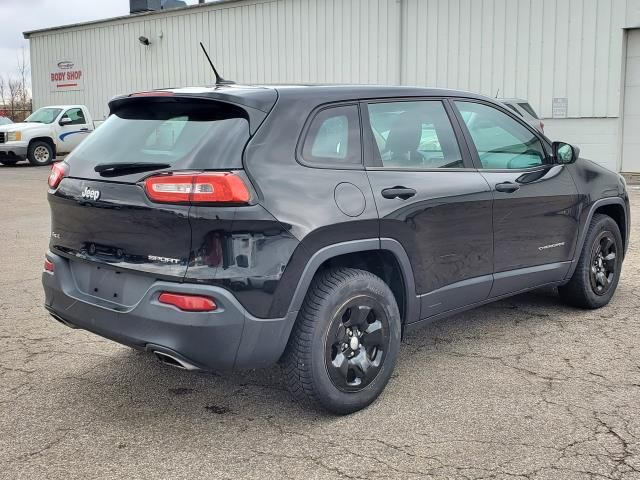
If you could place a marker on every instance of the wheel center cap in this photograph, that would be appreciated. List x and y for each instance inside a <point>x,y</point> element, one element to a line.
<point>354,343</point>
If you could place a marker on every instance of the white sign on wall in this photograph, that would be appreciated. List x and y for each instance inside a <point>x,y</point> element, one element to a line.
<point>66,75</point>
<point>560,107</point>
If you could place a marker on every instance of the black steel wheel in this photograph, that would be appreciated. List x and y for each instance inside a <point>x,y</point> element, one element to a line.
<point>345,342</point>
<point>603,263</point>
<point>597,272</point>
<point>357,342</point>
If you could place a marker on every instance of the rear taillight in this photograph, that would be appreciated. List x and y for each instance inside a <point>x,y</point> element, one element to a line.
<point>218,187</point>
<point>188,303</point>
<point>48,266</point>
<point>58,172</point>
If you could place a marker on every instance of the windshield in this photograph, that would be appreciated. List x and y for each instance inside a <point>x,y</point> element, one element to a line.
<point>181,134</point>
<point>44,115</point>
<point>5,121</point>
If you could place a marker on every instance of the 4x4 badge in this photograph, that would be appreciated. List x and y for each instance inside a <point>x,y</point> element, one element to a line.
<point>91,194</point>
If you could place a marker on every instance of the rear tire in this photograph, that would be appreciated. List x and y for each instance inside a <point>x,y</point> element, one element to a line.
<point>345,342</point>
<point>8,162</point>
<point>598,271</point>
<point>40,153</point>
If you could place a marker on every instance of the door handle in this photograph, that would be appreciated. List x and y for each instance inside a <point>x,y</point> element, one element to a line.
<point>398,192</point>
<point>507,187</point>
<point>84,129</point>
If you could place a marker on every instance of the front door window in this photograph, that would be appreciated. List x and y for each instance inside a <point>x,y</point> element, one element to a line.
<point>501,142</point>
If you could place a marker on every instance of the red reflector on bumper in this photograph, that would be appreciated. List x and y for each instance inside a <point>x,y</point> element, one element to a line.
<point>188,303</point>
<point>48,265</point>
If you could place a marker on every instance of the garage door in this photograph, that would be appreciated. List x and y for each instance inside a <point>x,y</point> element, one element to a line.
<point>631,125</point>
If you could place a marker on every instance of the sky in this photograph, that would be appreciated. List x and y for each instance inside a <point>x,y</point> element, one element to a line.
<point>23,15</point>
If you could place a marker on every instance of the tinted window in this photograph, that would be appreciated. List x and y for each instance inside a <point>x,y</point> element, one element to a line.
<point>184,134</point>
<point>527,108</point>
<point>414,135</point>
<point>501,141</point>
<point>333,137</point>
<point>512,107</point>
<point>75,115</point>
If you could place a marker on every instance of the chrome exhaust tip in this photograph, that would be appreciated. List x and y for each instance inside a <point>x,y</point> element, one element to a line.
<point>173,361</point>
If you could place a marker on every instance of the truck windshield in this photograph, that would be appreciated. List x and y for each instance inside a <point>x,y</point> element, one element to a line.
<point>44,115</point>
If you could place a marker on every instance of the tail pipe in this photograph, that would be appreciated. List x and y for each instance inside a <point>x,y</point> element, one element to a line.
<point>173,360</point>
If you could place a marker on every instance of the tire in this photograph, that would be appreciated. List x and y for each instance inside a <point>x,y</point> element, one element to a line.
<point>40,153</point>
<point>324,366</point>
<point>596,277</point>
<point>8,162</point>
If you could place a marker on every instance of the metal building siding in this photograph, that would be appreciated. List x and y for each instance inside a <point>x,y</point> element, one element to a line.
<point>533,49</point>
<point>260,41</point>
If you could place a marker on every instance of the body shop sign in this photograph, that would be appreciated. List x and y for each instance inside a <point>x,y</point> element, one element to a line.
<point>66,75</point>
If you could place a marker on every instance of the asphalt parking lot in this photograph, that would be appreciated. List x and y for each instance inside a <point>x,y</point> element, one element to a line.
<point>522,389</point>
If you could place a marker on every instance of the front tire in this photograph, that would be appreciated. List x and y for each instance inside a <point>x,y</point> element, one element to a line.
<point>345,342</point>
<point>40,153</point>
<point>598,271</point>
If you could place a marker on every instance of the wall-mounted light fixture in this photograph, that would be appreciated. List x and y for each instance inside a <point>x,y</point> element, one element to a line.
<point>144,41</point>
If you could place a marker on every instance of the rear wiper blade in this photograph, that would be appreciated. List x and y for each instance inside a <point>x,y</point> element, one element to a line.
<point>128,167</point>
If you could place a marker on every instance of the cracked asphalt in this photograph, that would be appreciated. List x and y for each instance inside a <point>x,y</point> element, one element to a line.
<point>522,389</point>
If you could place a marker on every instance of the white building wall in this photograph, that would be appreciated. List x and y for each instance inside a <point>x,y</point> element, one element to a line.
<point>597,138</point>
<point>534,49</point>
<point>260,41</point>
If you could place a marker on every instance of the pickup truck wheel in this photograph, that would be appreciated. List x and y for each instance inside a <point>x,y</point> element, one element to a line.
<point>8,162</point>
<point>345,342</point>
<point>596,276</point>
<point>40,153</point>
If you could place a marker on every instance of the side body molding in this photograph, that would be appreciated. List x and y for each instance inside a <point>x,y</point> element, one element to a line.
<point>412,307</point>
<point>585,226</point>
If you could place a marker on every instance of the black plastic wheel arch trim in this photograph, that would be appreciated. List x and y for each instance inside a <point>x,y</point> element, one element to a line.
<point>585,227</point>
<point>412,305</point>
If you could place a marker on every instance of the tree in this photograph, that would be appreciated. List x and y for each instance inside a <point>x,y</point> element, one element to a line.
<point>15,94</point>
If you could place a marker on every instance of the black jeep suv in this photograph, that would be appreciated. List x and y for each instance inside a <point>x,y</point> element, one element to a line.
<point>238,226</point>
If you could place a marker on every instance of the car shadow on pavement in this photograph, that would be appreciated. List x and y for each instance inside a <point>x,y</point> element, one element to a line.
<point>129,383</point>
<point>16,165</point>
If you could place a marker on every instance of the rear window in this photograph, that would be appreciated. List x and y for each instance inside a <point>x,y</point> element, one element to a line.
<point>198,135</point>
<point>333,138</point>
<point>527,108</point>
<point>512,107</point>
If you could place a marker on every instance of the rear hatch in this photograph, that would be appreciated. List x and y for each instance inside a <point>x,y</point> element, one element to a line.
<point>115,214</point>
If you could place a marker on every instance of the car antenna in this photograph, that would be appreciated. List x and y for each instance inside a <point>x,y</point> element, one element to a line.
<point>219,79</point>
<point>497,93</point>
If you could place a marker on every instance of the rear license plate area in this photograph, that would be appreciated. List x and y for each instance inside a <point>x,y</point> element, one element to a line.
<point>113,285</point>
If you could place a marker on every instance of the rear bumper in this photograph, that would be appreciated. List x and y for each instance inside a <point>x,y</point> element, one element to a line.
<point>226,338</point>
<point>13,150</point>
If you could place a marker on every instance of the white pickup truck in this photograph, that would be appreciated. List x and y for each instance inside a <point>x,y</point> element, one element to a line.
<point>47,132</point>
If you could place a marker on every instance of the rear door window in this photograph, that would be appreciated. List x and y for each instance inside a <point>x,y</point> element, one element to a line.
<point>416,135</point>
<point>184,134</point>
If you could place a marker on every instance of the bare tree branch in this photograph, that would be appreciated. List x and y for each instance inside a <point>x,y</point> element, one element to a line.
<point>15,95</point>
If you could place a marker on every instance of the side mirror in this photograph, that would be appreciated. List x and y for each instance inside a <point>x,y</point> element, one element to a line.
<point>64,121</point>
<point>565,153</point>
